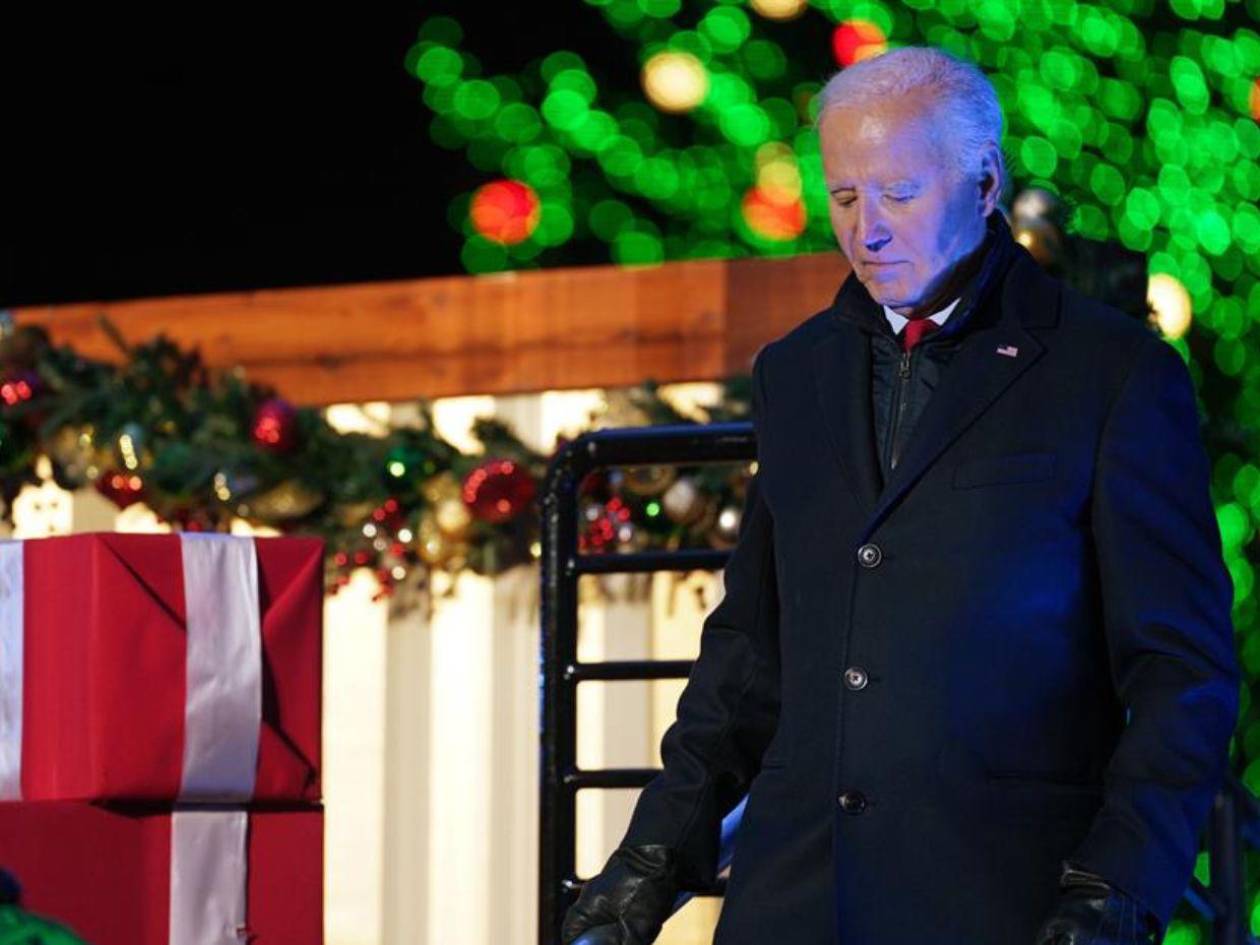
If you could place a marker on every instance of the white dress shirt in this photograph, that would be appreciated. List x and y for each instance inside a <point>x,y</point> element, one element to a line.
<point>899,321</point>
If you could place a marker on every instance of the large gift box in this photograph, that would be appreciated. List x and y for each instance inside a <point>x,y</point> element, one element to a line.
<point>160,667</point>
<point>120,876</point>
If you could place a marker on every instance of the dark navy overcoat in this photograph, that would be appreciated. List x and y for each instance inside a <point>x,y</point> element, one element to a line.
<point>1016,650</point>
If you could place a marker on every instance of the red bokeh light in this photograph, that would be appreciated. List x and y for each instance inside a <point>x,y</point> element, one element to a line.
<point>855,40</point>
<point>1255,98</point>
<point>773,219</point>
<point>505,211</point>
<point>15,392</point>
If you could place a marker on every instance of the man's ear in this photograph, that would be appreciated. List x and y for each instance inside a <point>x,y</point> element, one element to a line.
<point>992,179</point>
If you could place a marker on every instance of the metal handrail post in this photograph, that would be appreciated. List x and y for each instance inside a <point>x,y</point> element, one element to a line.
<point>1226,863</point>
<point>558,696</point>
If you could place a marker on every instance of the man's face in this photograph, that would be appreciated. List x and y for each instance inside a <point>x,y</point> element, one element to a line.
<point>901,217</point>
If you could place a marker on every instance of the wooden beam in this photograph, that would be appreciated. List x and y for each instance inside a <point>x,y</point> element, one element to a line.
<point>494,334</point>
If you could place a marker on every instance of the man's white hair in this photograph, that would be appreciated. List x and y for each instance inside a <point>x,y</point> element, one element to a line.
<point>961,97</point>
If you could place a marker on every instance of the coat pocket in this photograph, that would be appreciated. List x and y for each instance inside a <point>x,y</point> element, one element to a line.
<point>1014,796</point>
<point>1038,796</point>
<point>1008,467</point>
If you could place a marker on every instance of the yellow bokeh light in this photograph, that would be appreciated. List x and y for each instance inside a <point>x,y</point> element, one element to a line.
<point>1171,302</point>
<point>778,176</point>
<point>675,81</point>
<point>779,9</point>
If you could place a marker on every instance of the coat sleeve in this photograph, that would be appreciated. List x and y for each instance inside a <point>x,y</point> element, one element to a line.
<point>728,710</point>
<point>1167,600</point>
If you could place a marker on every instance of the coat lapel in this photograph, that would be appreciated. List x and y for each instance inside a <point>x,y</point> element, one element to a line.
<point>842,381</point>
<point>977,376</point>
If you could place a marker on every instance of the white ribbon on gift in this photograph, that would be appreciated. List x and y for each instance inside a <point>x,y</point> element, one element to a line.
<point>222,716</point>
<point>11,637</point>
<point>223,670</point>
<point>209,877</point>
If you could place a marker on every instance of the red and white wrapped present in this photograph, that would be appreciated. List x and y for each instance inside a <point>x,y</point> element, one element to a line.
<point>169,877</point>
<point>160,668</point>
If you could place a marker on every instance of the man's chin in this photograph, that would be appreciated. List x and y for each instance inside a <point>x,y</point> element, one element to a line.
<point>894,300</point>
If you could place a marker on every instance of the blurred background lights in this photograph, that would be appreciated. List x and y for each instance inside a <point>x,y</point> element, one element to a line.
<point>1170,302</point>
<point>778,177</point>
<point>855,40</point>
<point>1255,99</point>
<point>675,81</point>
<point>505,211</point>
<point>773,215</point>
<point>779,9</point>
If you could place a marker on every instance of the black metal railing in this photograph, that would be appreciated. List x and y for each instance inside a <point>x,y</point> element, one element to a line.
<point>561,672</point>
<point>1234,821</point>
<point>1233,825</point>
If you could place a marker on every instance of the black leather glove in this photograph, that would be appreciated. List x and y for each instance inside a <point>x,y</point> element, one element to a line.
<point>1091,911</point>
<point>628,902</point>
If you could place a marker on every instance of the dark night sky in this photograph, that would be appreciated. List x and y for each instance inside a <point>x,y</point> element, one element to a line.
<point>175,148</point>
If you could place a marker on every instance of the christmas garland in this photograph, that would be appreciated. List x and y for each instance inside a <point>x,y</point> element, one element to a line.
<point>202,448</point>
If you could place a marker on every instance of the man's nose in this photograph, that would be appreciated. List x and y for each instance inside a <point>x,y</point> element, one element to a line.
<point>871,229</point>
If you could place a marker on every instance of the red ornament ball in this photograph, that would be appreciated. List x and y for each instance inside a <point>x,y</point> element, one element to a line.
<point>275,426</point>
<point>498,489</point>
<point>505,211</point>
<point>855,40</point>
<point>120,487</point>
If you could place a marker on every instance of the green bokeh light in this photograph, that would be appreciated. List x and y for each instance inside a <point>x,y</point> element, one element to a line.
<point>726,28</point>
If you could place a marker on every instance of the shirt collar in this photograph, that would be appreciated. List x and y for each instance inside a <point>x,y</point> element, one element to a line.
<point>899,321</point>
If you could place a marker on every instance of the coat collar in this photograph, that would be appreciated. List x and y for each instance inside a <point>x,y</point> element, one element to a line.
<point>1011,295</point>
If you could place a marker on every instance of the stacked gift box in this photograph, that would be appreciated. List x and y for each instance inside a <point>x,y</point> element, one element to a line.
<point>160,736</point>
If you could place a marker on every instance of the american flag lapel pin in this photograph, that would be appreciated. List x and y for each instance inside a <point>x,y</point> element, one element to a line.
<point>1009,350</point>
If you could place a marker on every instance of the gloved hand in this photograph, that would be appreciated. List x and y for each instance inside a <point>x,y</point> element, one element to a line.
<point>628,902</point>
<point>1091,911</point>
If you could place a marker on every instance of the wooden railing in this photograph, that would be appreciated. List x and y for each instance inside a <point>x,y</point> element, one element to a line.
<point>511,332</point>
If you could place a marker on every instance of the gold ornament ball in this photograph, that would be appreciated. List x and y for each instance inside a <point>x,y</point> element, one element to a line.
<point>442,486</point>
<point>452,516</point>
<point>288,500</point>
<point>432,545</point>
<point>649,480</point>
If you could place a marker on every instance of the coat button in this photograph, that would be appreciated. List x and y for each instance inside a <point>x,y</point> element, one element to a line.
<point>855,678</point>
<point>869,555</point>
<point>853,802</point>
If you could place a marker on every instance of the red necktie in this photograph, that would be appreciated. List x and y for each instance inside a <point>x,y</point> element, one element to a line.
<point>915,329</point>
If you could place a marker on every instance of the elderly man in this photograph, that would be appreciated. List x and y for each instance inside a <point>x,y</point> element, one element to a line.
<point>974,665</point>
